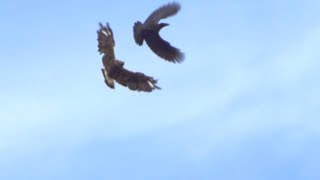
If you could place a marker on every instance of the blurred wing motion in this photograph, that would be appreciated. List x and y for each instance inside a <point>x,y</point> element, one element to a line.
<point>162,12</point>
<point>114,70</point>
<point>149,31</point>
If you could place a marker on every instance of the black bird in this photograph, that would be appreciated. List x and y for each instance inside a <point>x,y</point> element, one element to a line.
<point>113,69</point>
<point>149,31</point>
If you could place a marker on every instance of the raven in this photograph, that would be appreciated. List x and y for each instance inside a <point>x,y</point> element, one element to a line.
<point>149,31</point>
<point>113,69</point>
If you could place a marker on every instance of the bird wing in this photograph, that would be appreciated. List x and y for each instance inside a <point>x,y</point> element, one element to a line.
<point>106,46</point>
<point>163,48</point>
<point>135,81</point>
<point>106,41</point>
<point>162,12</point>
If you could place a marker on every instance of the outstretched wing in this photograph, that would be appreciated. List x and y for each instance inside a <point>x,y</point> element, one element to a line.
<point>106,46</point>
<point>163,48</point>
<point>162,12</point>
<point>105,41</point>
<point>133,80</point>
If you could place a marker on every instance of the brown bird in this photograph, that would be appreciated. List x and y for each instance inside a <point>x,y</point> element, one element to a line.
<point>149,31</point>
<point>113,69</point>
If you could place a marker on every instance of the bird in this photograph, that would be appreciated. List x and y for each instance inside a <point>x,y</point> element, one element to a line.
<point>149,32</point>
<point>114,70</point>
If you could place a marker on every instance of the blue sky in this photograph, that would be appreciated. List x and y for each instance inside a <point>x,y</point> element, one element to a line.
<point>243,105</point>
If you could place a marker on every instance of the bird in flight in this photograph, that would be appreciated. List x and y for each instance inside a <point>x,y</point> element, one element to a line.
<point>149,32</point>
<point>113,69</point>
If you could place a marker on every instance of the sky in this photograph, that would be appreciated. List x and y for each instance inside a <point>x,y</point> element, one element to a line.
<point>243,105</point>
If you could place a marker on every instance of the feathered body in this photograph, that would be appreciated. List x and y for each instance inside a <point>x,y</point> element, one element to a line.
<point>113,69</point>
<point>149,32</point>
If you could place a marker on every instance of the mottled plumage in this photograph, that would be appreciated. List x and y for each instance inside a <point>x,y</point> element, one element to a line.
<point>149,32</point>
<point>113,69</point>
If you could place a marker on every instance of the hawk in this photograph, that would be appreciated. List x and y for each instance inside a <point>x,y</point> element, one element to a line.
<point>113,69</point>
<point>149,31</point>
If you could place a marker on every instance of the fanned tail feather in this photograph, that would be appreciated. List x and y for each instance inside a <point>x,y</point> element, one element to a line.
<point>137,32</point>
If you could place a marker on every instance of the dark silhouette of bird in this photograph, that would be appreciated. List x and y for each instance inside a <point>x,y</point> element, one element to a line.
<point>149,31</point>
<point>113,69</point>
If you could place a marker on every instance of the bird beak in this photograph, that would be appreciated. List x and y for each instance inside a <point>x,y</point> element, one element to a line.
<point>164,25</point>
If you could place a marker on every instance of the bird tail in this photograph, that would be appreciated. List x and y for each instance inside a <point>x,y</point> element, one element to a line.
<point>108,80</point>
<point>137,32</point>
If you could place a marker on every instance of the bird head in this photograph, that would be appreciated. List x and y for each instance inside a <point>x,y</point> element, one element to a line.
<point>161,25</point>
